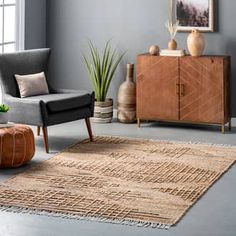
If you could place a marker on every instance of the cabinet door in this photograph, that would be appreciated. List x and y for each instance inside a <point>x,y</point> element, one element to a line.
<point>157,93</point>
<point>202,89</point>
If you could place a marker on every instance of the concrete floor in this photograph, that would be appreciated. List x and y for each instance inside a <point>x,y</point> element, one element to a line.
<point>214,214</point>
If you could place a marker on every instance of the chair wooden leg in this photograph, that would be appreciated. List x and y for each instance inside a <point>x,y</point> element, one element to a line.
<point>230,126</point>
<point>38,130</point>
<point>87,120</point>
<point>45,139</point>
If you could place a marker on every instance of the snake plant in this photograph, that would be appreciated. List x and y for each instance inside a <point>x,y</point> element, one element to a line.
<point>101,68</point>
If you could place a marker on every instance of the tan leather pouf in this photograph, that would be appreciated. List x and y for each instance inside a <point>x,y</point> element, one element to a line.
<point>17,146</point>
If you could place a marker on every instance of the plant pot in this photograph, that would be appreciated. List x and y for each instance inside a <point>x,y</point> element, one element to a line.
<point>126,112</point>
<point>4,117</point>
<point>103,111</point>
<point>196,43</point>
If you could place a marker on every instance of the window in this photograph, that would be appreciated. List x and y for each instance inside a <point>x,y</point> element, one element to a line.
<point>11,25</point>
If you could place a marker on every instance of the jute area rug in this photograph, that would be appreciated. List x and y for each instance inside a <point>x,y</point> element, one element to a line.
<point>119,180</point>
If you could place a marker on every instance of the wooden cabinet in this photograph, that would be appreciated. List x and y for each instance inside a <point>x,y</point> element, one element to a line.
<point>184,89</point>
<point>156,82</point>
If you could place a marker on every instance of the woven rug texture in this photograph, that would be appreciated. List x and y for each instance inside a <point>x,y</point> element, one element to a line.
<point>119,180</point>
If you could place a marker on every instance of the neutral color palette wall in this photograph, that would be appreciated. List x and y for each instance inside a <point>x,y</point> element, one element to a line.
<point>133,24</point>
<point>35,24</point>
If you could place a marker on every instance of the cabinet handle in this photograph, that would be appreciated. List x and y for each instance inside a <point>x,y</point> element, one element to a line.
<point>178,89</point>
<point>182,90</point>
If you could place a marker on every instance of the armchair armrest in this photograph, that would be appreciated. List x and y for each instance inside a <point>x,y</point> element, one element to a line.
<point>25,110</point>
<point>59,90</point>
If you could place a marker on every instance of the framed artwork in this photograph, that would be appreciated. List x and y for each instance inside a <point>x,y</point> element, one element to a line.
<point>193,14</point>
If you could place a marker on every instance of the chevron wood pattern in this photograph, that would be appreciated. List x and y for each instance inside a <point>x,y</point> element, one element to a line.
<point>203,80</point>
<point>156,87</point>
<point>186,89</point>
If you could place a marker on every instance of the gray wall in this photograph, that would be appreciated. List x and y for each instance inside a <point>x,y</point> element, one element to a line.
<point>134,25</point>
<point>35,24</point>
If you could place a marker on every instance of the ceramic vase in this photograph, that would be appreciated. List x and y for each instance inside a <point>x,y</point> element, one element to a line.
<point>154,50</point>
<point>196,43</point>
<point>126,110</point>
<point>172,44</point>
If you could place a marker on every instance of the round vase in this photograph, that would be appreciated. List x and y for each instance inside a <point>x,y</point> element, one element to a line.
<point>127,98</point>
<point>196,43</point>
<point>103,111</point>
<point>4,117</point>
<point>172,44</point>
<point>154,50</point>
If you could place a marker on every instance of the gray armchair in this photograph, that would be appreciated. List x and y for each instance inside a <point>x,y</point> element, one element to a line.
<point>57,107</point>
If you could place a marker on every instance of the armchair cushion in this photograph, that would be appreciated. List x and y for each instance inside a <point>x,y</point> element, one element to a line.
<point>24,110</point>
<point>57,102</point>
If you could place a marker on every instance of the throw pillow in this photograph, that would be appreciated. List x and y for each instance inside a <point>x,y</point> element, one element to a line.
<point>32,84</point>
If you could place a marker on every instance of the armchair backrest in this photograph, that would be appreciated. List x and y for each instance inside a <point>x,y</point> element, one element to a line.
<point>22,63</point>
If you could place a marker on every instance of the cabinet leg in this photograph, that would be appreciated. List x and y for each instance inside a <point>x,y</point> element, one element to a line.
<point>138,122</point>
<point>222,129</point>
<point>230,124</point>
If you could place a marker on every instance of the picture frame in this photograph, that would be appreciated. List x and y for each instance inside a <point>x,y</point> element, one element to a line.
<point>193,14</point>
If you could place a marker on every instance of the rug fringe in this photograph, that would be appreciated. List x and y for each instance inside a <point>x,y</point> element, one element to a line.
<point>23,210</point>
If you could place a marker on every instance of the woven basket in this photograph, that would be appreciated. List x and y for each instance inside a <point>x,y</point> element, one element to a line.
<point>103,111</point>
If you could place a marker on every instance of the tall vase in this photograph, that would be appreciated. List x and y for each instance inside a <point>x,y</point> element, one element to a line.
<point>196,43</point>
<point>127,98</point>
